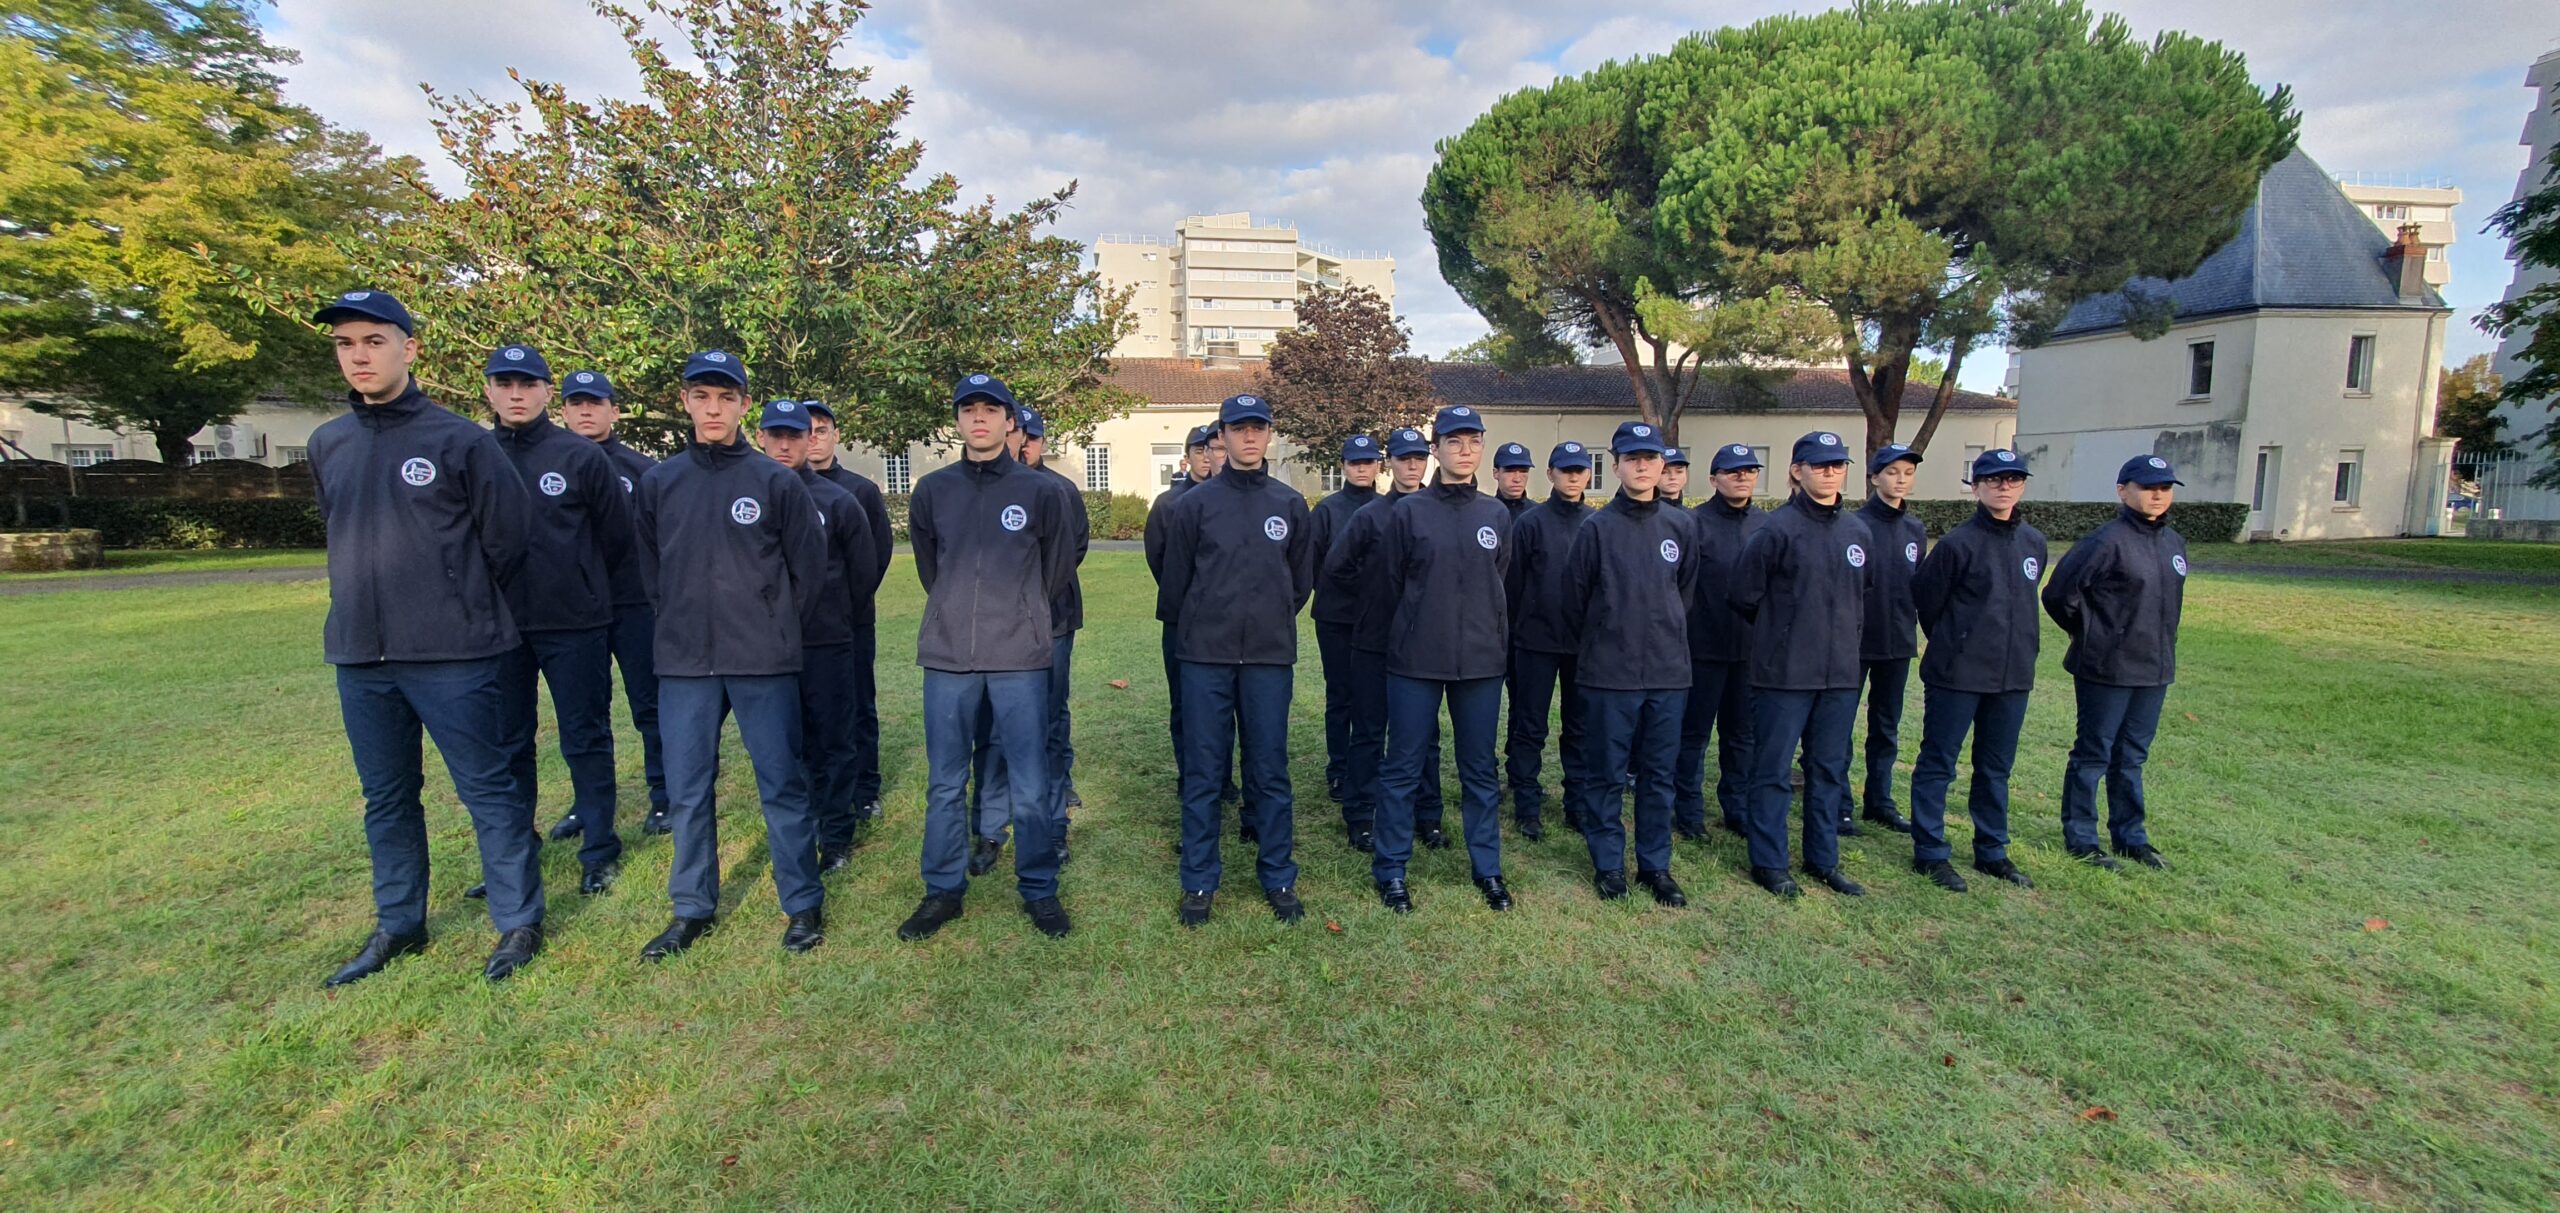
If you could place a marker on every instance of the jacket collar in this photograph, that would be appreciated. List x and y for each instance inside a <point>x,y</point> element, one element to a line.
<point>1558,503</point>
<point>397,410</point>
<point>1454,492</point>
<point>1819,513</point>
<point>1877,506</point>
<point>530,434</point>
<point>1243,479</point>
<point>1726,509</point>
<point>710,455</point>
<point>1633,508</point>
<point>2129,514</point>
<point>1982,516</point>
<point>989,469</point>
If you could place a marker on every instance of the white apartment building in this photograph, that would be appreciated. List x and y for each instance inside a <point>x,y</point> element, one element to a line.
<point>2527,418</point>
<point>1224,286</point>
<point>2393,200</point>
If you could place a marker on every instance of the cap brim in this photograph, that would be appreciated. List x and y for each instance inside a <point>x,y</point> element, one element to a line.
<point>332,315</point>
<point>585,393</point>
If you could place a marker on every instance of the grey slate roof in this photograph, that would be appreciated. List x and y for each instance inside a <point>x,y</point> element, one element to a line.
<point>2302,244</point>
<point>1606,389</point>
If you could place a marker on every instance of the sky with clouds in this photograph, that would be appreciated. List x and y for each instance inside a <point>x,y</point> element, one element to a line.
<point>1324,113</point>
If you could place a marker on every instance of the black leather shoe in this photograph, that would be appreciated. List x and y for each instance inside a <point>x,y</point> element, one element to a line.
<point>808,929</point>
<point>567,827</point>
<point>1364,841</point>
<point>1194,910</point>
<point>1666,891</point>
<point>834,859</point>
<point>1888,817</point>
<point>1734,825</point>
<point>379,950</point>
<point>1837,881</point>
<point>1776,881</point>
<point>514,949</point>
<point>1074,799</point>
<point>1611,885</point>
<point>1694,833</point>
<point>656,823</point>
<point>867,815</point>
<point>1231,795</point>
<point>598,879</point>
<point>1532,829</point>
<point>1436,838</point>
<point>678,936</point>
<point>1849,828</point>
<point>1285,905</point>
<point>2002,869</point>
<point>1395,896</point>
<point>2096,858</point>
<point>1063,854</point>
<point>477,892</point>
<point>1942,874</point>
<point>1333,791</point>
<point>983,855</point>
<point>935,910</point>
<point>1497,895</point>
<point>1049,916</point>
<point>2146,855</point>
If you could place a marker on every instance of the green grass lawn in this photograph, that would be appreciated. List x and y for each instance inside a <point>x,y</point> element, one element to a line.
<point>2342,997</point>
<point>152,560</point>
<point>2482,555</point>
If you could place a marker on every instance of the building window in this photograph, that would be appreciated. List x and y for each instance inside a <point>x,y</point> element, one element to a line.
<point>2258,490</point>
<point>1097,469</point>
<point>1964,474</point>
<point>2360,363</point>
<point>1329,478</point>
<point>2199,369</point>
<point>83,456</point>
<point>1598,487</point>
<point>1148,256</point>
<point>2435,252</point>
<point>897,473</point>
<point>1761,453</point>
<point>295,454</point>
<point>2390,211</point>
<point>2348,488</point>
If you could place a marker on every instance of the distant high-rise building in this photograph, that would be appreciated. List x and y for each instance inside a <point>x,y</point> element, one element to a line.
<point>2394,201</point>
<point>1223,286</point>
<point>2527,418</point>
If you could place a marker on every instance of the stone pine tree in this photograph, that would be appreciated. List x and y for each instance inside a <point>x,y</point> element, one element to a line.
<point>756,198</point>
<point>1345,370</point>
<point>2531,227</point>
<point>139,141</point>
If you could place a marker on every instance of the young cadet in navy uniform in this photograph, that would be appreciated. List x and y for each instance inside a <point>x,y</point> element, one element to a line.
<point>1511,466</point>
<point>1448,639</point>
<point>993,551</point>
<point>582,529</point>
<point>1200,460</point>
<point>991,795</point>
<point>587,410</point>
<point>1335,611</point>
<point>1240,562</point>
<point>1069,612</point>
<point>829,658</point>
<point>1719,652</point>
<point>1976,598</point>
<point>1674,490</point>
<point>1890,638</point>
<point>823,436</point>
<point>427,523</point>
<point>738,558</point>
<point>1350,565</point>
<point>1633,569</point>
<point>1803,584</point>
<point>1543,649</point>
<point>2118,593</point>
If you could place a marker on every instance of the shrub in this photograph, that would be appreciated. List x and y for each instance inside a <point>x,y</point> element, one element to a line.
<point>184,522</point>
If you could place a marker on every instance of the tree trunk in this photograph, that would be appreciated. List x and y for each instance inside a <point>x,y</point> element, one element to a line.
<point>176,449</point>
<point>1622,334</point>
<point>1946,393</point>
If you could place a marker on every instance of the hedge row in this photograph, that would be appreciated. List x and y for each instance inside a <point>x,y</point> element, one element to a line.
<point>2065,521</point>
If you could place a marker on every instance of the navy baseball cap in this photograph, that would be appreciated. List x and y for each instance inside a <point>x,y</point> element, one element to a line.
<point>1245,407</point>
<point>981,386</point>
<point>517,360</point>
<point>2149,471</point>
<point>1733,457</point>
<point>1199,436</point>
<point>588,383</point>
<point>1361,448</point>
<point>1456,419</point>
<point>1889,453</point>
<point>785,415</point>
<point>1029,419</point>
<point>1820,447</point>
<point>1405,442</point>
<point>1674,455</point>
<point>715,364</point>
<point>1998,463</point>
<point>1569,457</point>
<point>1513,455</point>
<point>818,408</point>
<point>1636,438</point>
<point>366,305</point>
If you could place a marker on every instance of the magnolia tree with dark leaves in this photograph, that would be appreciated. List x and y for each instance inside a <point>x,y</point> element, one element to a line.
<point>2531,227</point>
<point>1345,370</point>
<point>756,200</point>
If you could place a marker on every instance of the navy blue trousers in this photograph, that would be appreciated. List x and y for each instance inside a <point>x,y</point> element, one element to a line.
<point>1250,702</point>
<point>1945,717</point>
<point>1413,721</point>
<point>1015,703</point>
<point>768,711</point>
<point>1638,732</point>
<point>2116,727</point>
<point>1368,753</point>
<point>1886,681</point>
<point>1819,721</point>
<point>635,640</point>
<point>1333,648</point>
<point>1062,745</point>
<point>827,747</point>
<point>1173,719</point>
<point>1719,706</point>
<point>578,666</point>
<point>385,707</point>
<point>990,797</point>
<point>1535,678</point>
<point>866,716</point>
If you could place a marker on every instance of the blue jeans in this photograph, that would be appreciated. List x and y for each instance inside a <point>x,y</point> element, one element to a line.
<point>1780,721</point>
<point>866,716</point>
<point>1413,721</point>
<point>635,639</point>
<point>1367,757</point>
<point>1886,681</point>
<point>1638,731</point>
<point>2116,727</point>
<point>578,665</point>
<point>1251,702</point>
<point>768,711</point>
<point>1535,677</point>
<point>1015,703</point>
<point>990,798</point>
<point>385,707</point>
<point>1719,706</point>
<point>827,746</point>
<point>1994,721</point>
